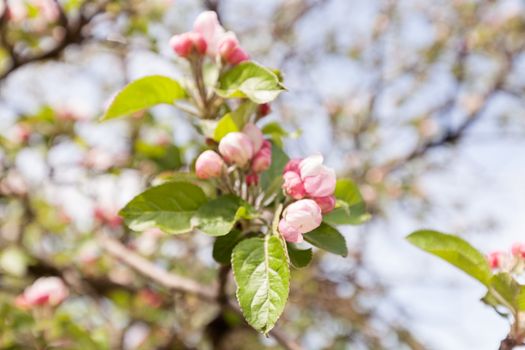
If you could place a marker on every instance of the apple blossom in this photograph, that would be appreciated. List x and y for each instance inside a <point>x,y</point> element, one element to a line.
<point>255,135</point>
<point>518,250</point>
<point>495,259</point>
<point>236,148</point>
<point>308,178</point>
<point>108,217</point>
<point>207,24</point>
<point>293,185</point>
<point>318,180</point>
<point>263,158</point>
<point>264,110</point>
<point>209,165</point>
<point>252,179</point>
<point>186,43</point>
<point>327,204</point>
<point>298,218</point>
<point>44,291</point>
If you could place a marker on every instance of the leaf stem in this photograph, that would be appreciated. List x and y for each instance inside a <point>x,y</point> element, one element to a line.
<point>276,217</point>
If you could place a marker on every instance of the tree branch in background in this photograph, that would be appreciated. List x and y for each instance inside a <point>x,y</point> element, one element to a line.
<point>149,270</point>
<point>73,34</point>
<point>175,282</point>
<point>452,136</point>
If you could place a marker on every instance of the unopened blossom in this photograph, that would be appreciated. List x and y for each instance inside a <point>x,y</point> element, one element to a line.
<point>308,178</point>
<point>231,51</point>
<point>264,110</point>
<point>209,165</point>
<point>496,259</point>
<point>252,179</point>
<point>219,41</point>
<point>299,218</point>
<point>255,134</point>
<point>236,148</point>
<point>318,180</point>
<point>293,185</point>
<point>150,297</point>
<point>327,204</point>
<point>263,158</point>
<point>48,9</point>
<point>108,217</point>
<point>44,291</point>
<point>187,43</point>
<point>518,250</point>
<point>207,24</point>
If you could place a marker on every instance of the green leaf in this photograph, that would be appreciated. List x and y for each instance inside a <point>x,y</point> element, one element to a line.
<point>218,216</point>
<point>260,268</point>
<point>169,207</point>
<point>350,207</point>
<point>520,299</point>
<point>174,176</point>
<point>299,257</point>
<point>454,250</point>
<point>225,125</point>
<point>505,290</point>
<point>327,238</point>
<point>276,132</point>
<point>167,157</point>
<point>242,114</point>
<point>223,246</point>
<point>144,93</point>
<point>274,174</point>
<point>250,80</point>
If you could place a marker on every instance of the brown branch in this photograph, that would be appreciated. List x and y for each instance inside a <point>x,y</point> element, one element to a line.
<point>213,5</point>
<point>146,268</point>
<point>452,136</point>
<point>508,343</point>
<point>177,283</point>
<point>73,34</point>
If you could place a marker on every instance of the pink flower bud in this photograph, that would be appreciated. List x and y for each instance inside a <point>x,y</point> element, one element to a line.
<point>518,250</point>
<point>292,165</point>
<point>495,260</point>
<point>262,159</point>
<point>186,43</point>
<point>327,204</point>
<point>252,179</point>
<point>298,218</point>
<point>230,49</point>
<point>228,44</point>
<point>293,185</point>
<point>48,9</point>
<point>199,44</point>
<point>318,180</point>
<point>236,148</point>
<point>207,24</point>
<point>114,221</point>
<point>44,291</point>
<point>255,135</point>
<point>108,217</point>
<point>150,297</point>
<point>181,44</point>
<point>209,165</point>
<point>237,56</point>
<point>264,110</point>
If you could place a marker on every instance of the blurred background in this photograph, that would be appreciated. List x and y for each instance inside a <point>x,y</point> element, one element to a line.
<point>421,102</point>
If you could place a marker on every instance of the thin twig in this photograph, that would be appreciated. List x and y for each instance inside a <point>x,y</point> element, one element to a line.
<point>153,272</point>
<point>175,282</point>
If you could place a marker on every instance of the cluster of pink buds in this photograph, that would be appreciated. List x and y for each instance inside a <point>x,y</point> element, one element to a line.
<point>312,184</point>
<point>209,37</point>
<point>247,150</point>
<point>45,291</point>
<point>107,217</point>
<point>513,261</point>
